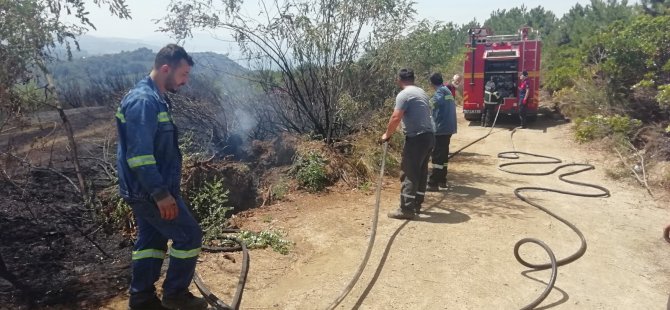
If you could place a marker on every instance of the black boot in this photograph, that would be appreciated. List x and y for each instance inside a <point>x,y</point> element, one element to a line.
<point>185,301</point>
<point>151,304</point>
<point>401,214</point>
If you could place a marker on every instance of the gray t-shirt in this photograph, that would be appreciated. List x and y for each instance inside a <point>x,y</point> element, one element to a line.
<point>417,118</point>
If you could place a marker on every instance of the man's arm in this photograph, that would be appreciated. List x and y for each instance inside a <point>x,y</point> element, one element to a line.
<point>394,121</point>
<point>141,125</point>
<point>525,98</point>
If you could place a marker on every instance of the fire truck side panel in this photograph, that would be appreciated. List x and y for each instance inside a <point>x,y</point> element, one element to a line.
<point>473,84</point>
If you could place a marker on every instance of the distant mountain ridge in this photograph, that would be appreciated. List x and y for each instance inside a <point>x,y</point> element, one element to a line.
<point>136,62</point>
<point>91,45</point>
<point>95,46</point>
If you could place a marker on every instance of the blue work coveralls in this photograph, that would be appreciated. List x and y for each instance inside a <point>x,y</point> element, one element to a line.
<point>149,168</point>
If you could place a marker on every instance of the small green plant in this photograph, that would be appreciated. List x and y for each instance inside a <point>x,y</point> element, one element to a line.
<point>263,239</point>
<point>366,186</point>
<point>122,212</point>
<point>267,218</point>
<point>280,190</point>
<point>115,213</point>
<point>310,171</point>
<point>210,205</point>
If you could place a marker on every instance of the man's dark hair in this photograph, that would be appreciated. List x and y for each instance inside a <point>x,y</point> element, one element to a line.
<point>525,73</point>
<point>406,75</point>
<point>436,79</point>
<point>171,55</point>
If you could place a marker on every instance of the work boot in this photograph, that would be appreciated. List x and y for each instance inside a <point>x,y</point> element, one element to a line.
<point>444,185</point>
<point>417,209</point>
<point>432,188</point>
<point>401,214</point>
<point>184,301</point>
<point>151,304</point>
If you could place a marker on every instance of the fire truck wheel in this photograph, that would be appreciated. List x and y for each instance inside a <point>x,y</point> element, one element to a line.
<point>473,117</point>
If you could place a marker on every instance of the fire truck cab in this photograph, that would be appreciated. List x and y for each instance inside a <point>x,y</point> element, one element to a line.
<point>501,59</point>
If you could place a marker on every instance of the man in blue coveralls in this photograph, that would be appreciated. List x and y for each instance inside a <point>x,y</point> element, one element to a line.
<point>149,167</point>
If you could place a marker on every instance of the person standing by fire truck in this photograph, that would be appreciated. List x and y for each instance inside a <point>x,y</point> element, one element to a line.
<point>444,118</point>
<point>454,84</point>
<point>412,108</point>
<point>491,99</point>
<point>524,94</point>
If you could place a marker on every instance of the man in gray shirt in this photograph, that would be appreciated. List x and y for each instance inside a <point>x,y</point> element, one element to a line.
<point>413,109</point>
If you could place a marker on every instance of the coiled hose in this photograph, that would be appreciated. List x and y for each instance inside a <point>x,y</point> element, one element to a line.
<point>553,264</point>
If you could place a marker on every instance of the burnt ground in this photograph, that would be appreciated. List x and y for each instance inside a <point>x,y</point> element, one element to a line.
<point>43,221</point>
<point>43,246</point>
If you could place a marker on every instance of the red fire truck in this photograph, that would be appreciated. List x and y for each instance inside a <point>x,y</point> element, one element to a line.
<point>501,59</point>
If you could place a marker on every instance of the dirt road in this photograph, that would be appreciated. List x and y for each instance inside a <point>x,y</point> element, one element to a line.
<point>459,254</point>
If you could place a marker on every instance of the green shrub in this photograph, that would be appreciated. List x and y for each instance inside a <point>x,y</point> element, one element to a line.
<point>114,213</point>
<point>263,239</point>
<point>598,126</point>
<point>210,205</point>
<point>310,171</point>
<point>280,190</point>
<point>663,96</point>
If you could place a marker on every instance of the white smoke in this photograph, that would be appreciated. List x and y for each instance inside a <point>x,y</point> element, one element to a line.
<point>245,122</point>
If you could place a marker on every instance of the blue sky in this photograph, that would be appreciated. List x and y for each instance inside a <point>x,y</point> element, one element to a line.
<point>460,12</point>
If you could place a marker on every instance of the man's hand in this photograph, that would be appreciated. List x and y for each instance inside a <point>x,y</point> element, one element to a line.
<point>384,138</point>
<point>394,121</point>
<point>168,208</point>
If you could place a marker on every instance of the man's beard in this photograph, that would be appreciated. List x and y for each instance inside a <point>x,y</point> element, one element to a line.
<point>171,85</point>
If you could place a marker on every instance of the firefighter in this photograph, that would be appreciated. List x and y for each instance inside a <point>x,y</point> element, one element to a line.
<point>413,110</point>
<point>444,120</point>
<point>149,167</point>
<point>491,99</point>
<point>524,94</point>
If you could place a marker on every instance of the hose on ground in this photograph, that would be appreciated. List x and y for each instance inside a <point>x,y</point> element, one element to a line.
<point>211,298</point>
<point>493,125</point>
<point>375,216</point>
<point>373,233</point>
<point>666,234</point>
<point>553,264</point>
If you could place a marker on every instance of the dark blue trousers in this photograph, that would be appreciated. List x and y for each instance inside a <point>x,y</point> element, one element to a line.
<point>151,247</point>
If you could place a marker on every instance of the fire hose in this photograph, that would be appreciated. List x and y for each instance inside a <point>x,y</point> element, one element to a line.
<point>211,298</point>
<point>553,264</point>
<point>375,217</point>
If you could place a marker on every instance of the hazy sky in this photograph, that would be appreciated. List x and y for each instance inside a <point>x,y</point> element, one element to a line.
<point>460,12</point>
